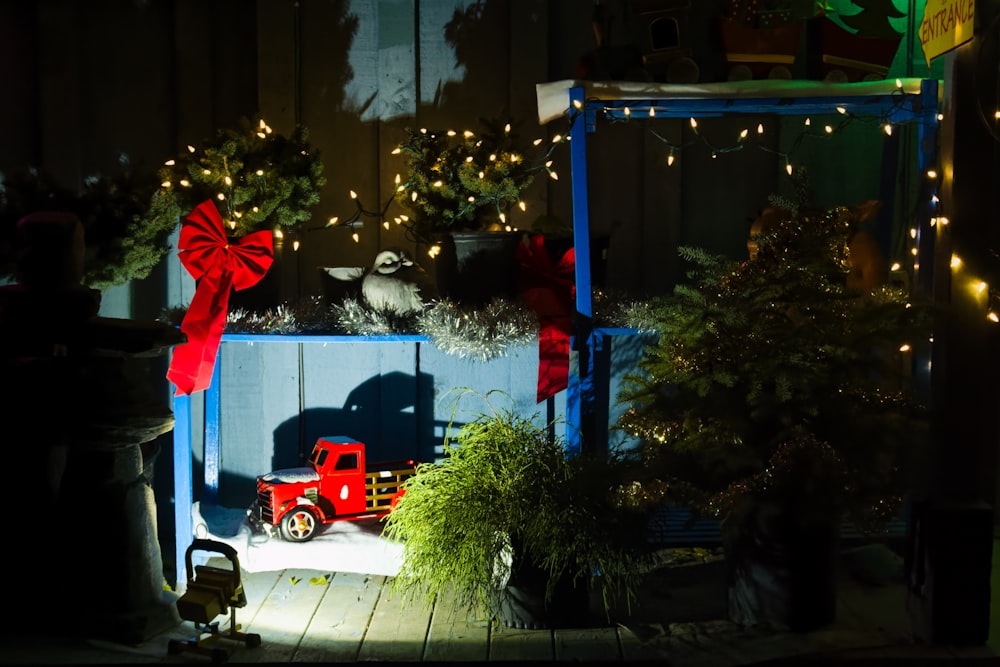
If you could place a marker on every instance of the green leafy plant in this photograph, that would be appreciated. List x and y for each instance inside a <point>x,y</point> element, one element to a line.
<point>258,179</point>
<point>771,379</point>
<point>466,181</point>
<point>122,243</point>
<point>506,491</point>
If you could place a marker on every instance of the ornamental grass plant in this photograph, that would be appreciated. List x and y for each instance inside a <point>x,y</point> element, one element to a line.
<point>506,493</point>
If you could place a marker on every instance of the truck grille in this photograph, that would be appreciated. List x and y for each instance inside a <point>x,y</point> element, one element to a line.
<point>264,503</point>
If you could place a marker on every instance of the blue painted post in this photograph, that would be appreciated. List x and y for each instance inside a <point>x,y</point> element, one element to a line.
<point>183,494</point>
<point>580,385</point>
<point>213,451</point>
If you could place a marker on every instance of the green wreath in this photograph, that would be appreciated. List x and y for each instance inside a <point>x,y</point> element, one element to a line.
<point>258,179</point>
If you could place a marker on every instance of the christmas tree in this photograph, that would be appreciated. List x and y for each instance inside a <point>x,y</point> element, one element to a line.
<point>873,19</point>
<point>771,379</point>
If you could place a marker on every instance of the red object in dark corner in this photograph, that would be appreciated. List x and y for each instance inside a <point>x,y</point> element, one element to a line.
<point>218,266</point>
<point>548,289</point>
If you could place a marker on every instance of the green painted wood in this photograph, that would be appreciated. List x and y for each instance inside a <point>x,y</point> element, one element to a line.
<point>455,633</point>
<point>338,628</point>
<point>397,631</point>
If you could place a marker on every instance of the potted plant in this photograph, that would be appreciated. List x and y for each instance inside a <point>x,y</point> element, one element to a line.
<point>461,188</point>
<point>121,243</point>
<point>778,400</point>
<point>259,180</point>
<point>515,527</point>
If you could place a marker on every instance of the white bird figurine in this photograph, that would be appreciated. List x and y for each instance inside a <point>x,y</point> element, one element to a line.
<point>394,282</point>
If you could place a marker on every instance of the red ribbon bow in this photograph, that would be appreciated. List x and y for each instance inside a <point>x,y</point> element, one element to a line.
<point>218,267</point>
<point>548,290</point>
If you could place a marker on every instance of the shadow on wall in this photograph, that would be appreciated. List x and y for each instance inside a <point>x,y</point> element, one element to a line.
<point>393,414</point>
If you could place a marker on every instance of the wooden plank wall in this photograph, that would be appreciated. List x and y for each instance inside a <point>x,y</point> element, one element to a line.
<point>398,397</point>
<point>88,82</point>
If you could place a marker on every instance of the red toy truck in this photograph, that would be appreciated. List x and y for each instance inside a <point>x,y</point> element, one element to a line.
<point>339,486</point>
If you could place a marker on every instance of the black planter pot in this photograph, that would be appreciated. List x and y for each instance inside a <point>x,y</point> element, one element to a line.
<point>781,569</point>
<point>474,268</point>
<point>523,603</point>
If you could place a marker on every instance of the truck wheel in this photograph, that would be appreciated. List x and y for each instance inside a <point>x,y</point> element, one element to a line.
<point>299,525</point>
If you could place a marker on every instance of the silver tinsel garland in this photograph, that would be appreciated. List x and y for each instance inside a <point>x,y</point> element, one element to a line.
<point>489,332</point>
<point>483,334</point>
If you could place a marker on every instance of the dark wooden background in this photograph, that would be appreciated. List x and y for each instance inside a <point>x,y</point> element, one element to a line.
<point>87,82</point>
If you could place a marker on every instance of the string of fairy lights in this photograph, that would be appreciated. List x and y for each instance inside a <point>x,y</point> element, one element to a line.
<point>988,298</point>
<point>493,168</point>
<point>239,204</point>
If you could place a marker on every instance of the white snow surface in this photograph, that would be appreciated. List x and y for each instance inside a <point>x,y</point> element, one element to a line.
<point>341,546</point>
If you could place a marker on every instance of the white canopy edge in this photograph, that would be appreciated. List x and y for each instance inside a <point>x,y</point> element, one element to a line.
<point>553,97</point>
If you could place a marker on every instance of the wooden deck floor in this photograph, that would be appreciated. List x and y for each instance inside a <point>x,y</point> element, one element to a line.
<point>305,615</point>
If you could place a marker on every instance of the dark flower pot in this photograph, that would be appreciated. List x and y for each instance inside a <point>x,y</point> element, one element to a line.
<point>482,268</point>
<point>781,568</point>
<point>522,603</point>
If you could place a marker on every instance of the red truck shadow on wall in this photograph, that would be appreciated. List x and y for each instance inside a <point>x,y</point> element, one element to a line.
<point>393,414</point>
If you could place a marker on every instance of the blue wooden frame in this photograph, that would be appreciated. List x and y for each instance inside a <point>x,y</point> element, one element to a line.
<point>886,100</point>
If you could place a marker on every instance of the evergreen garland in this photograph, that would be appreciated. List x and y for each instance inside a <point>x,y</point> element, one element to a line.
<point>771,379</point>
<point>121,242</point>
<point>258,179</point>
<point>463,181</point>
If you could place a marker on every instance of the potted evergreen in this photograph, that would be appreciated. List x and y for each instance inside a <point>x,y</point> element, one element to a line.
<point>120,243</point>
<point>778,400</point>
<point>519,531</point>
<point>462,189</point>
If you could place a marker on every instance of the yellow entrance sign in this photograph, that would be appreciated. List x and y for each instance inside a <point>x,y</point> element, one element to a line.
<point>946,25</point>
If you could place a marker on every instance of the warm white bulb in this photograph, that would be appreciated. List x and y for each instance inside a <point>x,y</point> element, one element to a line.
<point>295,246</point>
<point>694,124</point>
<point>356,237</point>
<point>170,163</point>
<point>332,221</point>
<point>220,196</point>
